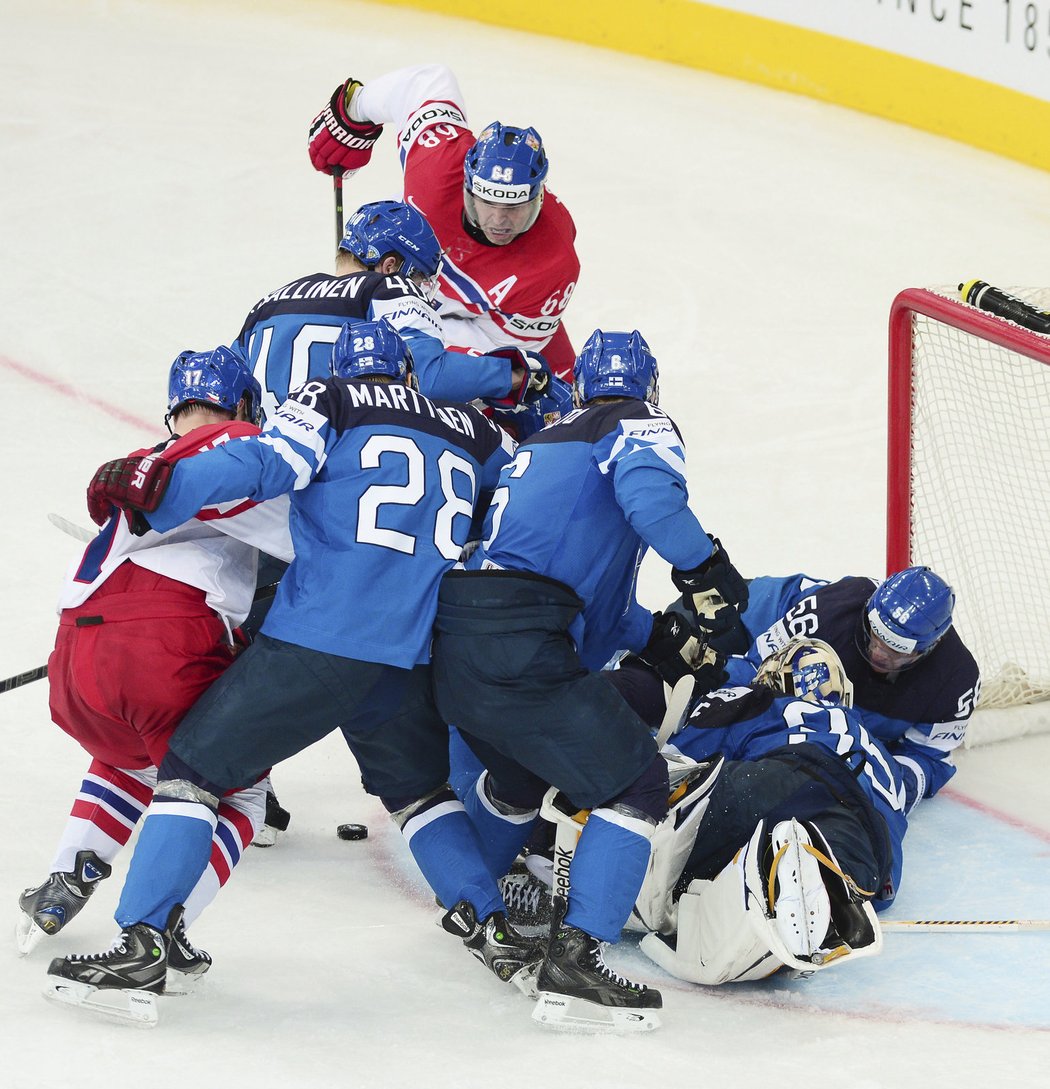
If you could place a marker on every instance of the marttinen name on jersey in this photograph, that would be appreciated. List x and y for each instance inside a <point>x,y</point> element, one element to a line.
<point>376,395</point>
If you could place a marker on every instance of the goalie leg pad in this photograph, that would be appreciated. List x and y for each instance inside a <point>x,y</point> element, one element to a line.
<point>673,839</point>
<point>714,943</point>
<point>797,896</point>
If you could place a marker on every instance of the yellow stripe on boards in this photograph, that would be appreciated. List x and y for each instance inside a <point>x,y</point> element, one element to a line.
<point>787,58</point>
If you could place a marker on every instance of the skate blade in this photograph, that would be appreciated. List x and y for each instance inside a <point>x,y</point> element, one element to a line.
<point>27,934</point>
<point>137,1008</point>
<point>525,980</point>
<point>182,983</point>
<point>567,1014</point>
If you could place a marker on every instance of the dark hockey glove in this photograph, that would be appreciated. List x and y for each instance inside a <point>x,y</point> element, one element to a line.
<point>530,378</point>
<point>337,142</point>
<point>137,484</point>
<point>671,647</point>
<point>714,593</point>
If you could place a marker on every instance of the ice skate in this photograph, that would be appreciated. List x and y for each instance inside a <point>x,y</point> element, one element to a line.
<point>528,900</point>
<point>47,908</point>
<point>277,820</point>
<point>577,990</point>
<point>496,944</point>
<point>122,983</point>
<point>186,963</point>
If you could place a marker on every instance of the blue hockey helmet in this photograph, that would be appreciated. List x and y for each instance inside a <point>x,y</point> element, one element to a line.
<point>367,348</point>
<point>616,365</point>
<point>506,166</point>
<point>387,227</point>
<point>910,612</point>
<point>220,378</point>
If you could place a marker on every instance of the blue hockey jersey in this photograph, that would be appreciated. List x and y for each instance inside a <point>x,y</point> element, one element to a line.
<point>582,501</point>
<point>288,336</point>
<point>919,713</point>
<point>383,485</point>
<point>746,723</point>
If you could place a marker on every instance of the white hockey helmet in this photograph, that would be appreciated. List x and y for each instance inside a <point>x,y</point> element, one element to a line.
<point>808,669</point>
<point>799,900</point>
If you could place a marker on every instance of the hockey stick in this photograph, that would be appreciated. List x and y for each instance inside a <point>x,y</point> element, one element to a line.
<point>23,678</point>
<point>677,710</point>
<point>964,926</point>
<point>337,187</point>
<point>71,528</point>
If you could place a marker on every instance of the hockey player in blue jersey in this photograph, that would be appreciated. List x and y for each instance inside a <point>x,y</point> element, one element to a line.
<point>519,637</point>
<point>915,682</point>
<point>800,842</point>
<point>387,264</point>
<point>383,484</point>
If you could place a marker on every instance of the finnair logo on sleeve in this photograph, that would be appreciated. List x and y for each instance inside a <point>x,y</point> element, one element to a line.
<point>650,429</point>
<point>294,414</point>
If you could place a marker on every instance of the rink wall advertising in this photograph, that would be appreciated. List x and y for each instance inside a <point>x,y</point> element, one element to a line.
<point>977,71</point>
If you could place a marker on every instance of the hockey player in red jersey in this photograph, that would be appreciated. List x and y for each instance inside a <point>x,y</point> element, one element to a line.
<point>146,624</point>
<point>510,266</point>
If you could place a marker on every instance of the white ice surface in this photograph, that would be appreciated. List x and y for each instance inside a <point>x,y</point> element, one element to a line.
<point>154,182</point>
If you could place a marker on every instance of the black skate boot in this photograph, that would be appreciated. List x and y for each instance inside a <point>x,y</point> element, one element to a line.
<point>186,963</point>
<point>48,907</point>
<point>578,990</point>
<point>528,900</point>
<point>496,944</point>
<point>277,820</point>
<point>123,982</point>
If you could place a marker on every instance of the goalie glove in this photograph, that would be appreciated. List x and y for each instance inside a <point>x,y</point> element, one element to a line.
<point>714,594</point>
<point>337,142</point>
<point>674,652</point>
<point>530,379</point>
<point>137,484</point>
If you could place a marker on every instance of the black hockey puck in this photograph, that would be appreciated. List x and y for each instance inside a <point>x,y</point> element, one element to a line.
<point>352,831</point>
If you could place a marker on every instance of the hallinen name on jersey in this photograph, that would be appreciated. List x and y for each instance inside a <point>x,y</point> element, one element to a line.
<point>288,335</point>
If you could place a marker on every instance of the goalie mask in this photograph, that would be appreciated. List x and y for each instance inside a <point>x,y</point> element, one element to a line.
<point>808,669</point>
<point>800,902</point>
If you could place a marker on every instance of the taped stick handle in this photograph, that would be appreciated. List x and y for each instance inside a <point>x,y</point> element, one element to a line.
<point>994,926</point>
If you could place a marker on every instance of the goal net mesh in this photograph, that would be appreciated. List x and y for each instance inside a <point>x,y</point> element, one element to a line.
<point>980,495</point>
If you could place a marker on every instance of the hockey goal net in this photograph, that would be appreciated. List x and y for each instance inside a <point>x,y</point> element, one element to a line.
<point>969,488</point>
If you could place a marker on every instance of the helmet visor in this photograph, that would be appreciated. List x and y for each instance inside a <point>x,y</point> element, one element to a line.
<point>427,282</point>
<point>501,220</point>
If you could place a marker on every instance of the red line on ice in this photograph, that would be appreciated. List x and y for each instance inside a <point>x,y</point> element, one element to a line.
<point>997,814</point>
<point>55,386</point>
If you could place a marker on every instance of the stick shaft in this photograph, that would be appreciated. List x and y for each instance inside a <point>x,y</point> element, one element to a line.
<point>20,679</point>
<point>967,925</point>
<point>337,189</point>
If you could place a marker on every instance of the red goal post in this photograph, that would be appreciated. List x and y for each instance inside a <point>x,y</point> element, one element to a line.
<point>968,489</point>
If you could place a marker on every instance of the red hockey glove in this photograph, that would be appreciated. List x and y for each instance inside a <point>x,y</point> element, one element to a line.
<point>136,484</point>
<point>530,378</point>
<point>337,142</point>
